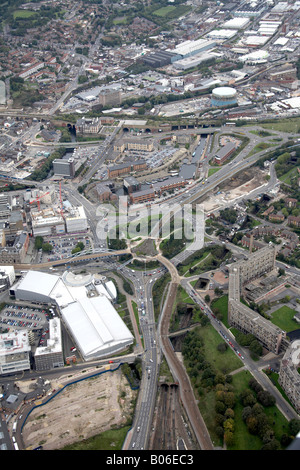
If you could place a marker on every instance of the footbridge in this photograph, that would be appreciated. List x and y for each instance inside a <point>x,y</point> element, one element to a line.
<point>82,256</point>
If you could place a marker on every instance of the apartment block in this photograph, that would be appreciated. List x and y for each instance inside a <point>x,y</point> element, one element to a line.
<point>242,317</point>
<point>127,167</point>
<point>133,144</point>
<point>224,153</point>
<point>146,195</point>
<point>289,377</point>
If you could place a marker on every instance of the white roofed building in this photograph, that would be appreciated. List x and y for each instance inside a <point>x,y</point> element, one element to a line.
<point>35,286</point>
<point>14,352</point>
<point>96,327</point>
<point>47,222</point>
<point>76,220</point>
<point>51,356</point>
<point>10,272</point>
<point>86,305</point>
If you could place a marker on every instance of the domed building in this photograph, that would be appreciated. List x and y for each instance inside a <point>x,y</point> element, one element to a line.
<point>223,96</point>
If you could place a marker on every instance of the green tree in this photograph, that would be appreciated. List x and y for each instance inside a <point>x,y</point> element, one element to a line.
<point>47,247</point>
<point>38,242</point>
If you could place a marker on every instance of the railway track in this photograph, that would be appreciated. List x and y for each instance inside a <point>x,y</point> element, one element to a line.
<point>178,370</point>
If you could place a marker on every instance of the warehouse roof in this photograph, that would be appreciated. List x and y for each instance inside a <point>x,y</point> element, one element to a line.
<point>39,282</point>
<point>85,304</point>
<point>96,326</point>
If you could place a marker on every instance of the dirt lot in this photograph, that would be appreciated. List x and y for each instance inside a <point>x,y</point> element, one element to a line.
<point>242,184</point>
<point>80,411</point>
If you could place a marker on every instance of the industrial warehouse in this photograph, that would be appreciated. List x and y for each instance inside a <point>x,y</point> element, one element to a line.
<point>85,303</point>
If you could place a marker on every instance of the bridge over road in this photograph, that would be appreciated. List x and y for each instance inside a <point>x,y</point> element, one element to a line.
<point>79,258</point>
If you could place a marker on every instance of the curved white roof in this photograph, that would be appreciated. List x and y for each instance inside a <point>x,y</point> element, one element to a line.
<point>96,327</point>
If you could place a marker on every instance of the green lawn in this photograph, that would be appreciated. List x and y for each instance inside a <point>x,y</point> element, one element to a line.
<point>211,171</point>
<point>182,296</point>
<point>286,125</point>
<point>222,362</point>
<point>221,305</point>
<point>260,147</point>
<point>112,439</point>
<point>184,269</point>
<point>23,14</point>
<point>243,439</point>
<point>164,11</point>
<point>227,362</point>
<point>283,318</point>
<point>287,177</point>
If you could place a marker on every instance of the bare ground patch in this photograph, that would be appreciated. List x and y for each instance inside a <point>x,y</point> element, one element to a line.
<point>80,411</point>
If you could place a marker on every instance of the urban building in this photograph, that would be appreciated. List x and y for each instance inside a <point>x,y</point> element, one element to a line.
<point>110,97</point>
<point>133,144</point>
<point>2,93</point>
<point>104,192</point>
<point>88,125</point>
<point>145,195</point>
<point>190,48</point>
<point>250,10</point>
<point>293,221</point>
<point>160,58</point>
<point>242,317</point>
<point>2,238</point>
<point>15,250</point>
<point>118,170</point>
<point>47,222</point>
<point>224,153</point>
<point>31,70</point>
<point>14,352</point>
<point>9,272</point>
<point>168,185</point>
<point>5,205</point>
<point>86,306</point>
<point>131,184</point>
<point>76,220</point>
<point>50,356</point>
<point>289,378</point>
<point>64,167</point>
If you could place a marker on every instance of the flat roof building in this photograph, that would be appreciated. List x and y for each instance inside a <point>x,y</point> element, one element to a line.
<point>145,195</point>
<point>76,220</point>
<point>14,352</point>
<point>224,153</point>
<point>131,184</point>
<point>2,93</point>
<point>64,167</point>
<point>50,356</point>
<point>47,222</point>
<point>289,377</point>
